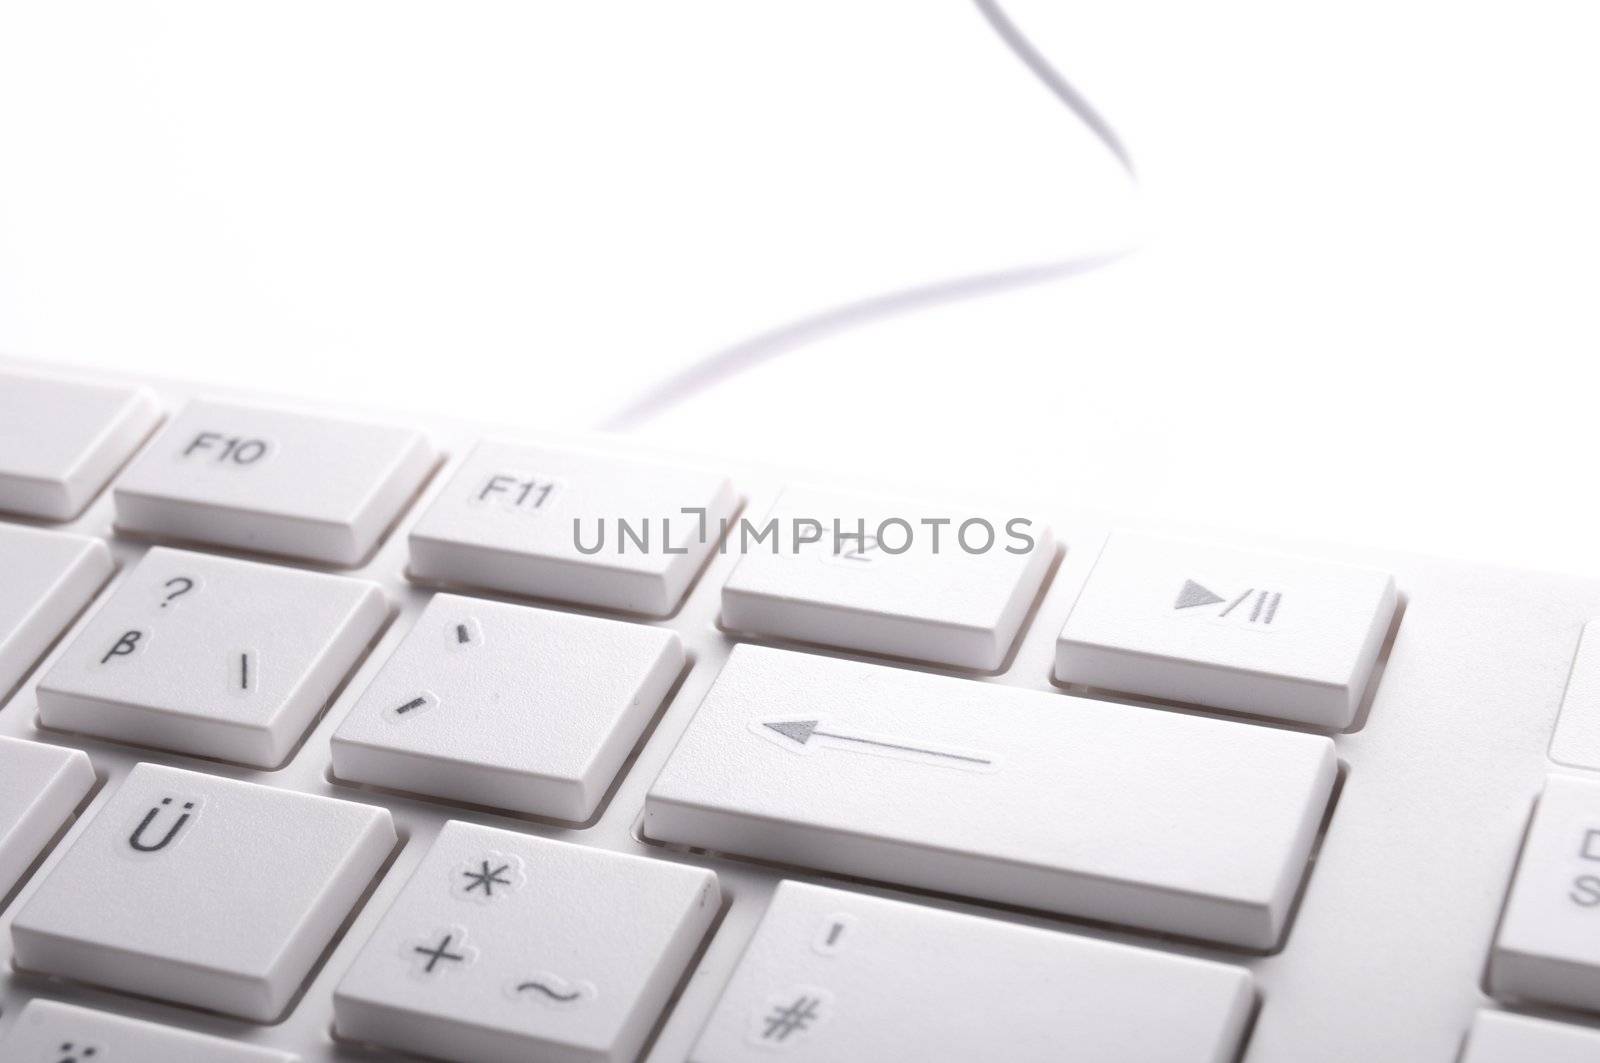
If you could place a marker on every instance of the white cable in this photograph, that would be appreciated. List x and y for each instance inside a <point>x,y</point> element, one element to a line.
<point>729,361</point>
<point>711,370</point>
<point>1052,79</point>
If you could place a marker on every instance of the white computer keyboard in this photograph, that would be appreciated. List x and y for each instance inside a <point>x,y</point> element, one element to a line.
<point>327,738</point>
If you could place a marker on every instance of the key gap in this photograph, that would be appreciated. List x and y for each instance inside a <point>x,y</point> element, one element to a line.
<point>682,984</point>
<point>55,839</point>
<point>99,595</point>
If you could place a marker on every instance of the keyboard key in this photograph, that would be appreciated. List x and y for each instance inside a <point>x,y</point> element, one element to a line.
<point>509,706</point>
<point>1500,1037</point>
<point>1577,736</point>
<point>504,947</point>
<point>203,891</point>
<point>545,523</point>
<point>47,578</point>
<point>212,656</point>
<point>1157,820</point>
<point>903,578</point>
<point>835,977</point>
<point>1284,637</point>
<point>40,787</point>
<point>1548,948</point>
<point>61,440</point>
<point>51,1032</point>
<point>273,481</point>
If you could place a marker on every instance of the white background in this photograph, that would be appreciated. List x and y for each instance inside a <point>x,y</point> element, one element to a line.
<point>1360,304</point>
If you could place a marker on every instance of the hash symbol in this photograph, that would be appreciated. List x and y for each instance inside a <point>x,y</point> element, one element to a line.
<point>786,1019</point>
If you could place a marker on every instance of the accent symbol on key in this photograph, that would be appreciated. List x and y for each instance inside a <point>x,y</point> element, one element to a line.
<point>785,1019</point>
<point>413,707</point>
<point>833,933</point>
<point>1262,610</point>
<point>800,734</point>
<point>72,1052</point>
<point>464,634</point>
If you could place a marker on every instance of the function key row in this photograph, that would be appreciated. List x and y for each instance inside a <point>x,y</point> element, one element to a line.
<point>1241,631</point>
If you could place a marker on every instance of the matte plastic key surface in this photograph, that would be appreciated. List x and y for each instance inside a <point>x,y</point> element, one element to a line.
<point>1501,1037</point>
<point>505,947</point>
<point>46,578</point>
<point>906,578</point>
<point>549,523</point>
<point>61,440</point>
<point>507,705</point>
<point>212,656</point>
<point>48,1031</point>
<point>1548,947</point>
<point>273,481</point>
<point>203,891</point>
<point>1259,633</point>
<point>1157,820</point>
<point>40,787</point>
<point>837,977</point>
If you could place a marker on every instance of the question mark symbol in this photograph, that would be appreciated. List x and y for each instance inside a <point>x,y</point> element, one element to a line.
<point>188,585</point>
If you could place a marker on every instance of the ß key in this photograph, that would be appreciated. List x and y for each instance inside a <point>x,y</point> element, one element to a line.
<point>40,786</point>
<point>509,706</point>
<point>906,579</point>
<point>46,579</point>
<point>273,481</point>
<point>1547,949</point>
<point>1256,633</point>
<point>52,1032</point>
<point>549,524</point>
<point>203,891</point>
<point>1157,820</point>
<point>504,947</point>
<point>837,977</point>
<point>212,656</point>
<point>61,440</point>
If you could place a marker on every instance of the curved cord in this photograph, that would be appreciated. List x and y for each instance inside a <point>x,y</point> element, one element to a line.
<point>711,370</point>
<point>764,347</point>
<point>1051,79</point>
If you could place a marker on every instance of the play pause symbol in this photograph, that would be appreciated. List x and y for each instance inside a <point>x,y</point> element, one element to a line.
<point>1262,607</point>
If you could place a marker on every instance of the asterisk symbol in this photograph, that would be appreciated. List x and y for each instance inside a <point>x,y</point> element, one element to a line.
<point>486,878</point>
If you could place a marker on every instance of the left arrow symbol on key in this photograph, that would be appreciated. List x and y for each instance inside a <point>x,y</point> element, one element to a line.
<point>803,735</point>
